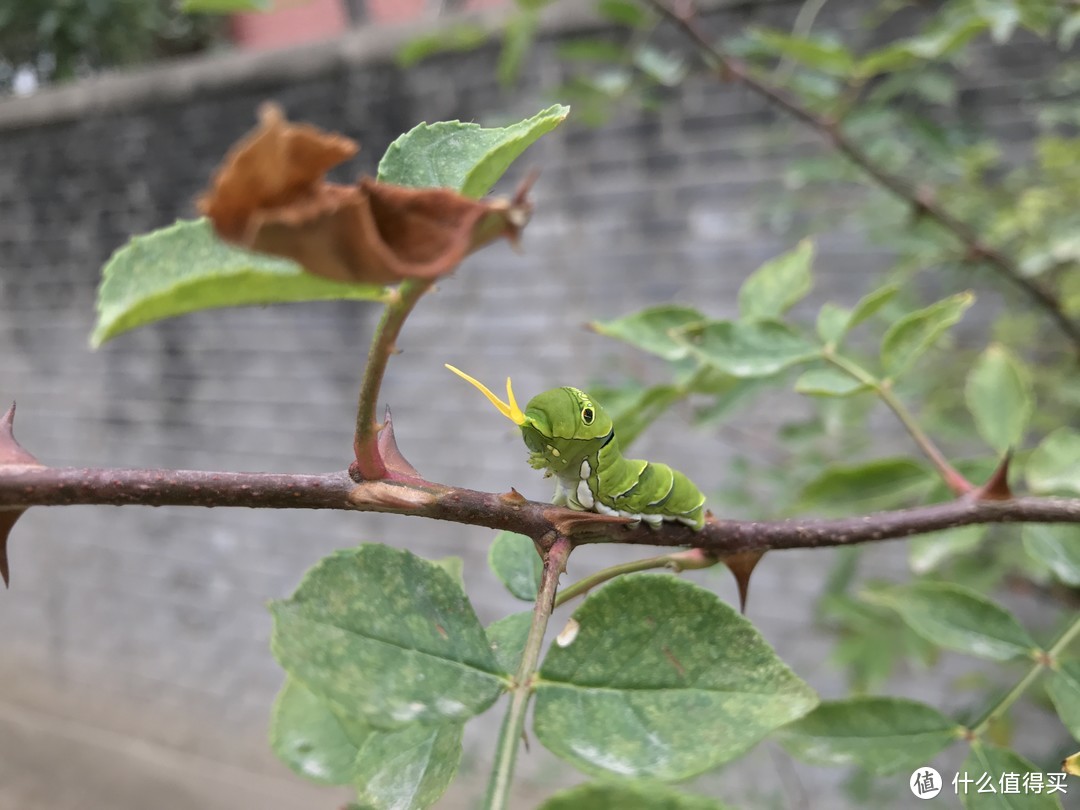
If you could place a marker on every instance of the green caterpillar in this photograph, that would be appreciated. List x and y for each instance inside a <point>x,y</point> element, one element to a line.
<point>572,437</point>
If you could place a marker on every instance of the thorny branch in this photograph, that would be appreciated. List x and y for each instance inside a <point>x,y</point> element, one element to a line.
<point>921,200</point>
<point>26,486</point>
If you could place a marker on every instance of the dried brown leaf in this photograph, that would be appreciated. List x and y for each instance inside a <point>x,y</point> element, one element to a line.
<point>271,195</point>
<point>277,164</point>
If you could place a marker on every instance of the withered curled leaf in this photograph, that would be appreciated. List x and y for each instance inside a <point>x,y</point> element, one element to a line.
<point>12,455</point>
<point>271,195</point>
<point>278,164</point>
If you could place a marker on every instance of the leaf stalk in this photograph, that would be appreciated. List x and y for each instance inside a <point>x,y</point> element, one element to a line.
<point>956,482</point>
<point>369,463</point>
<point>676,562</point>
<point>514,723</point>
<point>1043,660</point>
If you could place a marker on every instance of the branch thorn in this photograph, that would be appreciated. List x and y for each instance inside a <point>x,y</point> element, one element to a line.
<point>996,487</point>
<point>12,454</point>
<point>742,565</point>
<point>396,464</point>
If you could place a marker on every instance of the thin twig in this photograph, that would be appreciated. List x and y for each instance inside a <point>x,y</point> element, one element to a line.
<point>952,477</point>
<point>502,773</point>
<point>1043,660</point>
<point>921,200</point>
<point>688,560</point>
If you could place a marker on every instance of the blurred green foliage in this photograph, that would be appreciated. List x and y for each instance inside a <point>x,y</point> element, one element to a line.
<point>1008,382</point>
<point>62,39</point>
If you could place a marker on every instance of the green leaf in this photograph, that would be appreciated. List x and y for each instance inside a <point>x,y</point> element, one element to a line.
<point>1069,30</point>
<point>408,769</point>
<point>663,68</point>
<point>310,738</point>
<point>223,6</point>
<point>1063,686</point>
<point>463,156</point>
<point>1054,466</point>
<point>927,551</point>
<point>916,332</point>
<point>453,38</point>
<point>986,765</point>
<point>387,636</point>
<point>879,734</point>
<point>392,770</point>
<point>507,637</point>
<point>832,323</point>
<point>623,12</point>
<point>515,562</point>
<point>455,567</point>
<point>828,382</point>
<point>958,618</point>
<point>518,37</point>
<point>998,394</point>
<point>651,329</point>
<point>828,57</point>
<point>872,303</point>
<point>777,285</point>
<point>873,640</point>
<point>870,486</point>
<point>1069,292</point>
<point>634,410</point>
<point>935,44</point>
<point>1057,545</point>
<point>593,50</point>
<point>663,680</point>
<point>728,394</point>
<point>627,796</point>
<point>1001,15</point>
<point>185,268</point>
<point>748,349</point>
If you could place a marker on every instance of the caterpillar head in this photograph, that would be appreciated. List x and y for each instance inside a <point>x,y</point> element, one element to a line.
<point>561,427</point>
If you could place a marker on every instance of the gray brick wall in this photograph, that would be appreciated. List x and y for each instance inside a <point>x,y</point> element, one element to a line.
<point>137,638</point>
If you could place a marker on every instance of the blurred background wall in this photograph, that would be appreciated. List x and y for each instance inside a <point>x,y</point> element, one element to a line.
<point>134,667</point>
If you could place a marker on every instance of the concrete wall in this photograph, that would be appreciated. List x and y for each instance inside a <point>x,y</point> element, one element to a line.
<point>134,670</point>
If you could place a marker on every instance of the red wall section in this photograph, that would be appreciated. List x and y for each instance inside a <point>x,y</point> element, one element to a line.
<point>292,22</point>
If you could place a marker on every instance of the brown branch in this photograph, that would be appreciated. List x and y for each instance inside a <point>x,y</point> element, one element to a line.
<point>920,199</point>
<point>25,486</point>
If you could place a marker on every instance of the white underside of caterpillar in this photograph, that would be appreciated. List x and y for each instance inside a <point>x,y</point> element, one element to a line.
<point>575,493</point>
